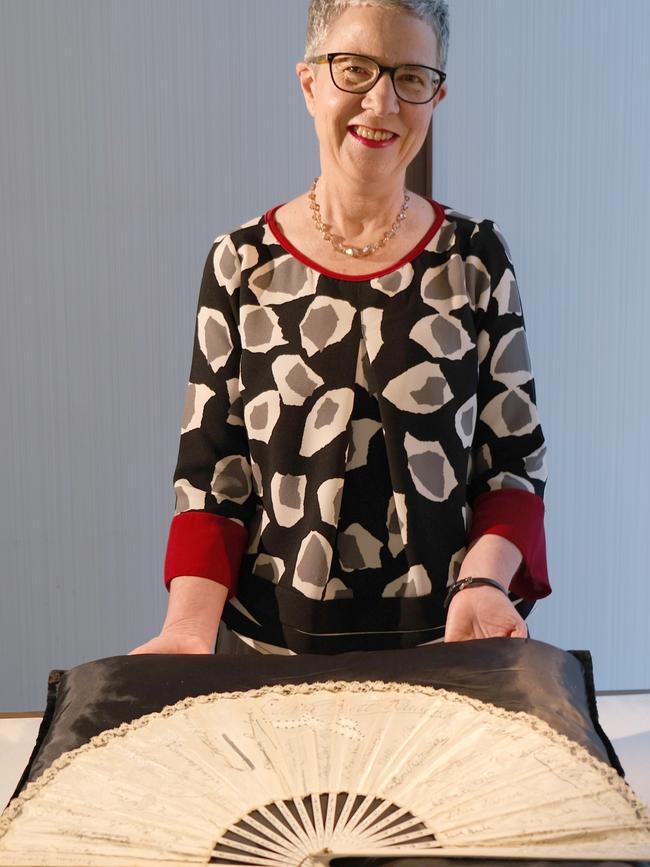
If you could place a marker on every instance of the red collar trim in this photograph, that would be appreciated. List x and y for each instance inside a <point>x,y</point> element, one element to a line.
<point>269,217</point>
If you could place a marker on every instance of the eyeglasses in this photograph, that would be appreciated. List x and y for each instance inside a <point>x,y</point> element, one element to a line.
<point>355,73</point>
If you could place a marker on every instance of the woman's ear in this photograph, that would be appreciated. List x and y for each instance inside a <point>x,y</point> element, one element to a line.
<point>438,98</point>
<point>307,77</point>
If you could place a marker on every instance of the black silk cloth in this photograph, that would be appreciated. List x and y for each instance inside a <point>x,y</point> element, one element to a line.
<point>516,674</point>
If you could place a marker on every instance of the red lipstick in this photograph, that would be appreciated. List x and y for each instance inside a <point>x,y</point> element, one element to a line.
<point>371,143</point>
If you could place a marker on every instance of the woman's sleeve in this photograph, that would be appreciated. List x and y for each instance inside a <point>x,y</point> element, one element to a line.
<point>212,481</point>
<point>508,472</point>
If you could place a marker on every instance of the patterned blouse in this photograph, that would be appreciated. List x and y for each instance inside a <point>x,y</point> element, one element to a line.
<point>345,438</point>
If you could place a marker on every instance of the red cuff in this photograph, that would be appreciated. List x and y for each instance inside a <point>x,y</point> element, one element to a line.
<point>206,545</point>
<point>519,517</point>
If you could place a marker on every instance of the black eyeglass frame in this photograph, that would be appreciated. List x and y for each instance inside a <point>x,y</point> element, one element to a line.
<point>391,70</point>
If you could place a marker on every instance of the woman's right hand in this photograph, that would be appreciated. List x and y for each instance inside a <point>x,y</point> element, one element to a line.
<point>173,641</point>
<point>193,615</point>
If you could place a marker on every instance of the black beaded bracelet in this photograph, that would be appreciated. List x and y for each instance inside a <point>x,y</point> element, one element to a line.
<point>471,582</point>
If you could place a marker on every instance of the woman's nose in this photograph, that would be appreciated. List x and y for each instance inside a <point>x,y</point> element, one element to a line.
<point>382,99</point>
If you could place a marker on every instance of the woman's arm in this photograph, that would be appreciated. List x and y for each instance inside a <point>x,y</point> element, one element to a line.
<point>508,469</point>
<point>212,480</point>
<point>193,615</point>
<point>483,611</point>
<point>507,477</point>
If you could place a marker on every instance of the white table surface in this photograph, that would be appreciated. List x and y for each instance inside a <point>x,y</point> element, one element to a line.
<point>625,718</point>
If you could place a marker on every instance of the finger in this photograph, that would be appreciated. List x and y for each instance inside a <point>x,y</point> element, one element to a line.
<point>459,635</point>
<point>455,630</point>
<point>140,649</point>
<point>520,630</point>
<point>452,633</point>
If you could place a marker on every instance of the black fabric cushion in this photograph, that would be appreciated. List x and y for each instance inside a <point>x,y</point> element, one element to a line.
<point>516,674</point>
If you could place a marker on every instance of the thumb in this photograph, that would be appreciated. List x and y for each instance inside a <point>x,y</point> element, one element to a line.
<point>520,630</point>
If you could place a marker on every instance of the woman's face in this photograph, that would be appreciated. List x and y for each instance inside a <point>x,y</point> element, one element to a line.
<point>391,38</point>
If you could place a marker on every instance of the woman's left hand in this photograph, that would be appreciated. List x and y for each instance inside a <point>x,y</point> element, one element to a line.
<point>483,612</point>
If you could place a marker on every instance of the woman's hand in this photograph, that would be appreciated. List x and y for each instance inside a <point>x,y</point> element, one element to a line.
<point>483,612</point>
<point>193,615</point>
<point>174,641</point>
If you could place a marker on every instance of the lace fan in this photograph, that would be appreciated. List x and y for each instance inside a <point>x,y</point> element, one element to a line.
<point>284,776</point>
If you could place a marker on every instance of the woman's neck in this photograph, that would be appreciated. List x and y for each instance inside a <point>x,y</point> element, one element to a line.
<point>359,213</point>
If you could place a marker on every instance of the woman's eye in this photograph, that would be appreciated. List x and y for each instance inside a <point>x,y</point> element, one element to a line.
<point>411,78</point>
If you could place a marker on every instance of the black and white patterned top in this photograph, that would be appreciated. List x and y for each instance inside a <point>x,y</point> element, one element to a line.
<point>344,437</point>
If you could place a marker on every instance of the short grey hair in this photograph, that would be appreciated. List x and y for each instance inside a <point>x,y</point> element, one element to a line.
<point>323,14</point>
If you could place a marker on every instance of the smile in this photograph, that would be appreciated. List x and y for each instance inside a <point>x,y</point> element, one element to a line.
<point>373,134</point>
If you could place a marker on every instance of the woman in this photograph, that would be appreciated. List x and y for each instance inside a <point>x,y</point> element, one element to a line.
<point>360,432</point>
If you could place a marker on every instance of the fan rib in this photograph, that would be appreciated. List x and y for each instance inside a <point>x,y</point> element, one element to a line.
<point>280,817</point>
<point>262,842</point>
<point>298,830</point>
<point>282,843</point>
<point>308,825</point>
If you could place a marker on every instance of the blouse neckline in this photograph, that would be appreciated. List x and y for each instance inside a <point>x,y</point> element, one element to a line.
<point>439,216</point>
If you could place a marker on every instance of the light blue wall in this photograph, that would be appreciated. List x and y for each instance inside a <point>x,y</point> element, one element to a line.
<point>132,133</point>
<point>546,129</point>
